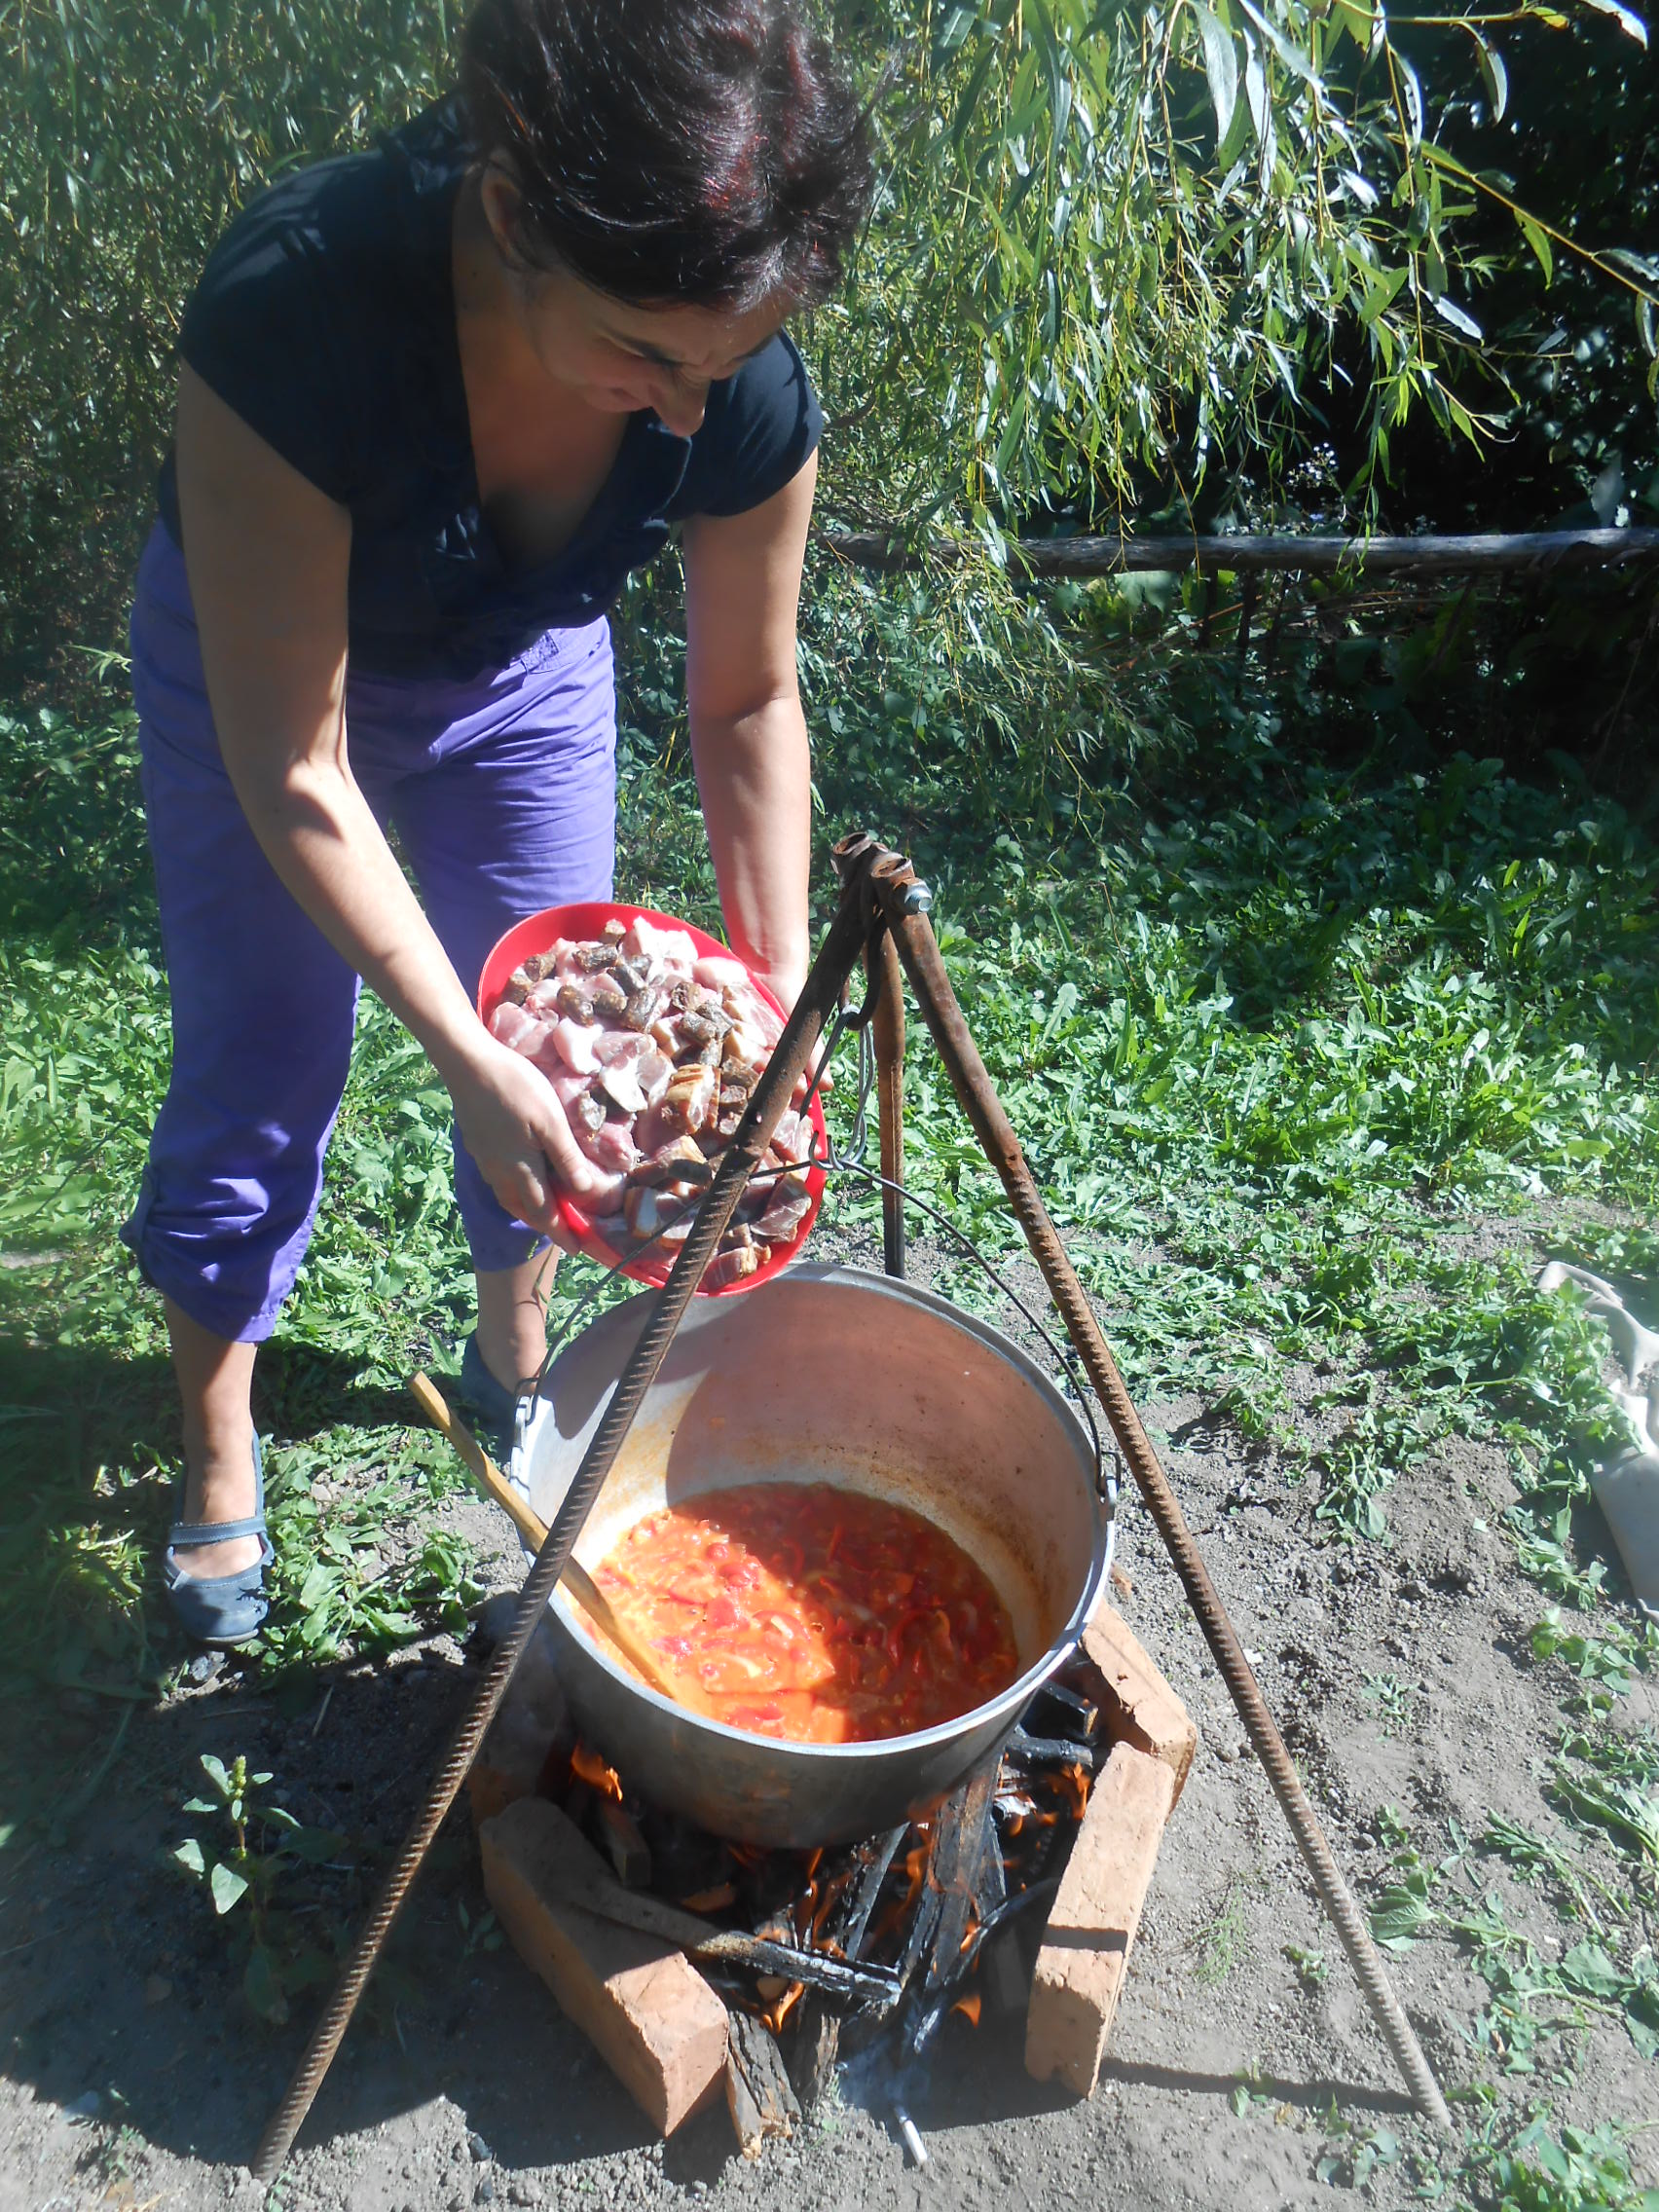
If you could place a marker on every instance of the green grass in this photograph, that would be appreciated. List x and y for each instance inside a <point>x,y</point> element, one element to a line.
<point>1284,1007</point>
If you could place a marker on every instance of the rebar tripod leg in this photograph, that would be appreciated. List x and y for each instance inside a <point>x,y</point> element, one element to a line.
<point>895,883</point>
<point>820,996</point>
<point>888,1028</point>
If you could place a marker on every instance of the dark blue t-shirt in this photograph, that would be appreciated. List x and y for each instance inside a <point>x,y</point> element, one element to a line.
<point>325,318</point>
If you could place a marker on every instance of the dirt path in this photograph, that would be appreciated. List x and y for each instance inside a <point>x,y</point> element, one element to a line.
<point>137,2077</point>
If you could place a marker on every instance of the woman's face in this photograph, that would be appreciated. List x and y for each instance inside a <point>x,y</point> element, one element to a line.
<point>623,359</point>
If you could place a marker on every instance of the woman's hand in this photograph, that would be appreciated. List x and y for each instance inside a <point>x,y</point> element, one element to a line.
<point>512,1123</point>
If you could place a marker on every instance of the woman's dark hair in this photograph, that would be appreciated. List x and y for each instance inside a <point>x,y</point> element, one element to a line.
<point>708,153</point>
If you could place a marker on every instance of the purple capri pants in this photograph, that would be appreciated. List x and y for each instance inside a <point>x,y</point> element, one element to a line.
<point>503,794</point>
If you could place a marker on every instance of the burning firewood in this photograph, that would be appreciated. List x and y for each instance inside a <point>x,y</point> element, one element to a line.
<point>758,2091</point>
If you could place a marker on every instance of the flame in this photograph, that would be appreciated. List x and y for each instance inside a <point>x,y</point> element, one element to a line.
<point>711,1901</point>
<point>969,2006</point>
<point>1073,1783</point>
<point>776,2015</point>
<point>915,1873</point>
<point>590,1768</point>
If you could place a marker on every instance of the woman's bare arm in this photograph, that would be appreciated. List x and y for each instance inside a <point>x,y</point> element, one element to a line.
<point>268,556</point>
<point>748,733</point>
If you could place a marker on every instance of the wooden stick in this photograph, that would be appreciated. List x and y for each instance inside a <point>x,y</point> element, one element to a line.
<point>1537,550</point>
<point>534,1530</point>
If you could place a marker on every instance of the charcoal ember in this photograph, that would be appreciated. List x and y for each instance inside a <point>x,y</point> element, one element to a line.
<point>690,1097</point>
<point>643,1007</point>
<point>608,1002</point>
<point>1024,1751</point>
<point>572,1000</point>
<point>1058,1709</point>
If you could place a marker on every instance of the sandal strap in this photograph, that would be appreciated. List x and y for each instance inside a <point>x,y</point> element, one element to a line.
<point>198,1533</point>
<point>247,1581</point>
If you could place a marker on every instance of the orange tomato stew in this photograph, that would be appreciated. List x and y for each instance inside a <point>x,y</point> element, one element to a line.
<point>814,1613</point>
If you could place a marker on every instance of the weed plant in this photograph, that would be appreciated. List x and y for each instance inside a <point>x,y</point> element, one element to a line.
<point>1317,1042</point>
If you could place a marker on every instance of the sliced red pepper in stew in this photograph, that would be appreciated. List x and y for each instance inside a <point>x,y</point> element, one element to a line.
<point>735,1589</point>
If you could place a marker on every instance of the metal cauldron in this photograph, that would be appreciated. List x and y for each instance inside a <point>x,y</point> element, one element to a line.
<point>828,1375</point>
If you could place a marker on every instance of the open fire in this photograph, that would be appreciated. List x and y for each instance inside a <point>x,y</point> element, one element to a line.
<point>868,1947</point>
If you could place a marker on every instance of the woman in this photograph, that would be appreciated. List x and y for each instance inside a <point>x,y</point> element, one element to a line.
<point>435,402</point>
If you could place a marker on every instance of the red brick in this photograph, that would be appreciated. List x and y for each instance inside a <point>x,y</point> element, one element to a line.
<point>529,1740</point>
<point>1139,1705</point>
<point>1085,1959</point>
<point>648,2010</point>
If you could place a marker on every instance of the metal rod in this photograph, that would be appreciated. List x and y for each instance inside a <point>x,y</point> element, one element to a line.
<point>888,1029</point>
<point>895,884</point>
<point>838,956</point>
<point>1537,550</point>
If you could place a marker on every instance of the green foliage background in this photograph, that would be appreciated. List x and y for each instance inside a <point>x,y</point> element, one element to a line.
<point>1124,259</point>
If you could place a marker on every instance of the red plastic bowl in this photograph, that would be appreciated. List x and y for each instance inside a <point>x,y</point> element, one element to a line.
<point>587,919</point>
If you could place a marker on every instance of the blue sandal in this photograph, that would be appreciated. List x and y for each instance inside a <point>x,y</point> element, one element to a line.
<point>495,1406</point>
<point>226,1608</point>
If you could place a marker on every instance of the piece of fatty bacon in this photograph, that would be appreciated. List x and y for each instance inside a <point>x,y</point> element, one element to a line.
<point>652,1049</point>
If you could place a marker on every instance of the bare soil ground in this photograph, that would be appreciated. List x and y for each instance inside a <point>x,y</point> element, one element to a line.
<point>137,2079</point>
